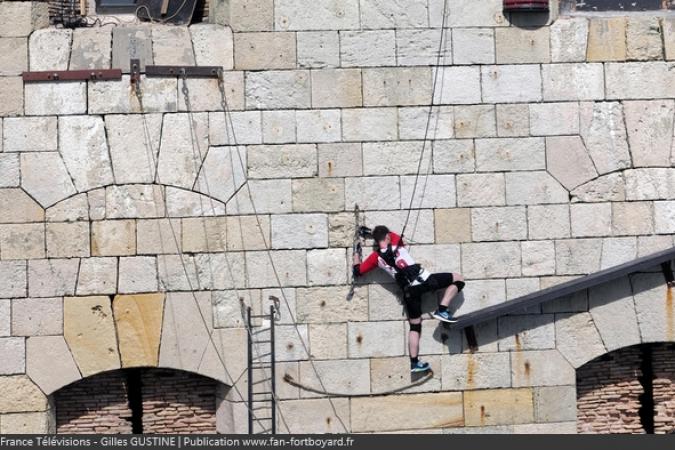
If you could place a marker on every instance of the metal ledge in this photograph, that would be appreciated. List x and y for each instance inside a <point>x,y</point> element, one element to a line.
<point>561,290</point>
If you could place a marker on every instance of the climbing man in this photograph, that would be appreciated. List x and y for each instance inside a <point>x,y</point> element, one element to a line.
<point>391,255</point>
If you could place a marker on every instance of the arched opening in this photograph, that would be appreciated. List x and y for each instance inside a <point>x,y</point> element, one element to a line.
<point>630,390</point>
<point>141,401</point>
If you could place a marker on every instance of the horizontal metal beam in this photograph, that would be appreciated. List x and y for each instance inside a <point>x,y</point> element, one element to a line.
<point>73,75</point>
<point>183,71</point>
<point>563,289</point>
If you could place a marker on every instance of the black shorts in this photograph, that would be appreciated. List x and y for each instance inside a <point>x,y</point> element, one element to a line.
<point>413,294</point>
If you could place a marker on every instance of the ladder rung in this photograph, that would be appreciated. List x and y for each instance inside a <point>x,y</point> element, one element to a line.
<point>265,341</point>
<point>261,366</point>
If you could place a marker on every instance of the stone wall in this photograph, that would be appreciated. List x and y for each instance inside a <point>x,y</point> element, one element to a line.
<point>550,158</point>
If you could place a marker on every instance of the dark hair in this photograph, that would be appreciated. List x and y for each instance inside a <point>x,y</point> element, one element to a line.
<point>380,232</point>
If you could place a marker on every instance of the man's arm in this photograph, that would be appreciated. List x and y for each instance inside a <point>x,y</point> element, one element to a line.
<point>361,268</point>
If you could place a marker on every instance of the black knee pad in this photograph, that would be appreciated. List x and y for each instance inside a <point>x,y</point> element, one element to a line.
<point>416,327</point>
<point>460,285</point>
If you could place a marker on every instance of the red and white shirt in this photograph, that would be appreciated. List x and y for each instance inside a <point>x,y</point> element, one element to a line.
<point>402,258</point>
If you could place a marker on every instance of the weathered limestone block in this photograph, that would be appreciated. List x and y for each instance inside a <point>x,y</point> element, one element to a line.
<point>113,238</point>
<point>37,316</point>
<point>326,267</point>
<point>451,156</point>
<point>213,45</point>
<point>97,276</point>
<point>612,302</point>
<point>591,219</point>
<point>668,30</point>
<point>13,56</point>
<point>393,158</point>
<point>50,49</point>
<point>510,154</point>
<point>26,423</point>
<point>481,190</point>
<point>12,92</point>
<point>13,351</point>
<point>207,234</point>
<point>376,339</point>
<point>49,363</point>
<point>534,188</point>
<point>555,404</point>
<point>518,287</point>
<point>485,14</point>
<point>617,251</point>
<point>28,134</point>
<point>370,48</point>
<point>639,80</point>
<point>92,48</point>
<point>476,371</point>
<point>179,162</point>
<point>369,124</point>
<point>17,207</point>
<point>97,204</point>
<point>568,161</point>
<point>439,191</point>
<point>68,240</point>
<point>407,411</point>
<point>498,407</point>
<point>158,95</point>
<point>291,267</point>
<point>316,415</point>
<point>414,121</point>
<point>340,160</point>
<point>577,338</point>
<point>324,15</point>
<point>138,319</point>
<point>245,126</point>
<point>541,368</point>
<point>222,173</point>
<point>452,225</point>
<point>526,332</point>
<point>49,277</point>
<point>384,302</point>
<point>423,233</point>
<point>554,119</point>
<point>511,83</point>
<point>133,157</point>
<point>348,376</point>
<point>568,82</point>
<point>318,194</point>
<point>184,334</point>
<point>517,45</point>
<point>182,203</point>
<point>172,45</point>
<point>26,241</point>
<point>14,276</point>
<point>299,231</point>
<point>172,273</point>
<point>654,308</point>
<point>607,39</point>
<point>646,245</point>
<point>282,161</point>
<point>321,305</point>
<point>664,217</point>
<point>269,196</point>
<point>248,233</point>
<point>289,342</point>
<point>69,210</point>
<point>84,149</point>
<point>397,86</point>
<point>264,51</point>
<point>606,188</point>
<point>650,131</point>
<point>214,273</point>
<point>475,121</point>
<point>68,97</point>
<point>10,171</point>
<point>263,88</point>
<point>372,193</point>
<point>45,177</point>
<point>568,39</point>
<point>245,15</point>
<point>20,19</point>
<point>457,85</point>
<point>499,224</point>
<point>538,258</point>
<point>632,218</point>
<point>578,256</point>
<point>131,42</point>
<point>318,49</point>
<point>137,274</point>
<point>377,14</point>
<point>230,306</point>
<point>392,373</point>
<point>650,184</point>
<point>20,394</point>
<point>337,88</point>
<point>318,125</point>
<point>89,329</point>
<point>205,94</point>
<point>328,341</point>
<point>491,260</point>
<point>473,46</point>
<point>643,39</point>
<point>420,47</point>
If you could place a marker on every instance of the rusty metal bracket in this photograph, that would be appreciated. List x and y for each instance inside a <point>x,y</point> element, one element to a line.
<point>135,70</point>
<point>183,71</point>
<point>667,270</point>
<point>73,75</point>
<point>471,340</point>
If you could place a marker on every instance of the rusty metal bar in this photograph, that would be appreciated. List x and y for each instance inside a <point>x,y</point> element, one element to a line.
<point>135,70</point>
<point>73,75</point>
<point>183,71</point>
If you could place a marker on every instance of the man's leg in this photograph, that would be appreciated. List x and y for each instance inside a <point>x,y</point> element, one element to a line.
<point>413,304</point>
<point>452,290</point>
<point>414,338</point>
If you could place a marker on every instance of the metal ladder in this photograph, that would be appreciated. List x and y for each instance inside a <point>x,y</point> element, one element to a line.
<point>261,373</point>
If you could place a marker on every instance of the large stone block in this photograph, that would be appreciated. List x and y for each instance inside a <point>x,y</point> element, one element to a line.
<point>369,124</point>
<point>207,234</point>
<point>394,158</point>
<point>654,307</point>
<point>158,95</point>
<point>664,217</point>
<point>92,48</point>
<point>541,368</point>
<point>28,134</point>
<point>607,39</point>
<point>49,363</point>
<point>300,231</point>
<point>526,332</point>
<point>569,82</point>
<point>452,225</point>
<point>342,376</point>
<point>376,14</point>
<point>476,371</point>
<point>473,46</point>
<point>397,86</point>
<point>606,188</point>
<point>263,89</point>
<point>13,56</point>
<point>26,241</point>
<point>113,238</point>
<point>511,83</point>
<point>460,14</point>
<point>337,88</point>
<point>555,404</point>
<point>37,316</point>
<point>20,394</point>
<point>617,251</point>
<point>50,49</point>
<point>318,125</point>
<point>568,161</point>
<point>420,47</point>
<point>499,224</point>
<point>17,207</point>
<point>45,178</point>
<point>97,276</point>
<point>14,277</point>
<point>538,258</point>
<point>612,302</point>
<point>452,156</point>
<point>13,351</point>
<point>439,191</point>
<point>68,239</point>
<point>481,190</point>
<point>591,219</point>
<point>131,42</point>
<point>553,119</point>
<point>137,274</point>
<point>373,193</point>
<point>318,195</point>
<point>214,270</point>
<point>133,154</point>
<point>457,85</point>
<point>179,160</point>
<point>62,98</point>
<point>328,341</point>
<point>240,127</point>
<point>650,132</point>
<point>376,339</point>
<point>578,256</point>
<point>158,236</point>
<point>368,48</point>
<point>413,122</point>
<point>577,338</point>
<point>317,415</point>
<point>89,329</point>
<point>138,319</point>
<point>517,45</point>
<point>404,412</point>
<point>327,267</point>
<point>534,188</point>
<point>26,423</point>
<point>230,172</point>
<point>491,260</point>
<point>213,45</point>
<point>568,39</point>
<point>340,160</point>
<point>510,154</point>
<point>643,39</point>
<point>20,19</point>
<point>632,218</point>
<point>498,407</point>
<point>12,92</point>
<point>172,45</point>
<point>264,51</point>
<point>318,49</point>
<point>84,148</point>
<point>388,374</point>
<point>649,184</point>
<point>278,127</point>
<point>421,221</point>
<point>475,121</point>
<point>269,196</point>
<point>248,233</point>
<point>70,210</point>
<point>639,80</point>
<point>284,161</point>
<point>325,15</point>
<point>291,266</point>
